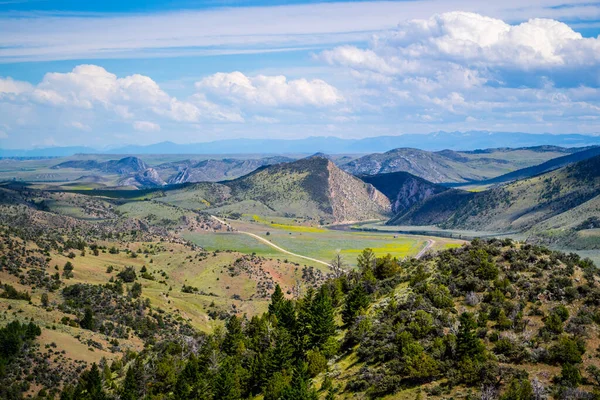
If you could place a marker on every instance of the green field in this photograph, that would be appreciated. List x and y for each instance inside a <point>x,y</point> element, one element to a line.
<point>320,243</point>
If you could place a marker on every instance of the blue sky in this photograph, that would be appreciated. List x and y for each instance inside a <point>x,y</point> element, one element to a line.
<point>115,72</point>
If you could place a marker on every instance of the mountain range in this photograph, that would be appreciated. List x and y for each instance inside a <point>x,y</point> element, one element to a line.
<point>435,141</point>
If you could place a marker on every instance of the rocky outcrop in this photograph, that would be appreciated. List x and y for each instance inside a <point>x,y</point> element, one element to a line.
<point>147,178</point>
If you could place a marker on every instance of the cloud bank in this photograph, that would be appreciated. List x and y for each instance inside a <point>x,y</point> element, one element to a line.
<point>448,71</point>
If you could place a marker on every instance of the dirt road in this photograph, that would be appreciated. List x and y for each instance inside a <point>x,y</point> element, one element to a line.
<point>429,245</point>
<point>269,243</point>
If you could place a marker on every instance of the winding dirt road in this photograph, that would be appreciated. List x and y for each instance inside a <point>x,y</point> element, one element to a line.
<point>429,245</point>
<point>269,243</point>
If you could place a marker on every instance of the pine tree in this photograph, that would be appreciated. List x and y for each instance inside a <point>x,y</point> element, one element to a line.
<point>322,318</point>
<point>277,298</point>
<point>366,260</point>
<point>356,301</point>
<point>234,338</point>
<point>227,383</point>
<point>87,321</point>
<point>468,344</point>
<point>300,387</point>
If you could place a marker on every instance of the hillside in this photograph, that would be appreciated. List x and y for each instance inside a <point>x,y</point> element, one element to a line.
<point>453,166</point>
<point>213,170</point>
<point>311,187</point>
<point>555,199</point>
<point>403,189</point>
<point>123,166</point>
<point>434,210</point>
<point>489,320</point>
<point>547,166</point>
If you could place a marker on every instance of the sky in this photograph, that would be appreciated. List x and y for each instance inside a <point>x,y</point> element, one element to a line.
<point>109,73</point>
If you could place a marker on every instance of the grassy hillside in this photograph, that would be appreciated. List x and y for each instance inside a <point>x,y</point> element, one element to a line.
<point>453,166</point>
<point>311,188</point>
<point>522,204</point>
<point>489,320</point>
<point>547,166</point>
<point>558,208</point>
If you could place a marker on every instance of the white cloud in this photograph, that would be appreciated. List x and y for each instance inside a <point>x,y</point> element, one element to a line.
<point>10,86</point>
<point>230,30</point>
<point>271,91</point>
<point>80,126</point>
<point>146,126</point>
<point>265,120</point>
<point>473,38</point>
<point>93,88</point>
<point>3,135</point>
<point>354,57</point>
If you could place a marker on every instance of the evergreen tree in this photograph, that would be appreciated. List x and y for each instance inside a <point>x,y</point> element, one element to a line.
<point>227,382</point>
<point>300,387</point>
<point>277,299</point>
<point>468,344</point>
<point>356,301</point>
<point>87,322</point>
<point>233,344</point>
<point>366,261</point>
<point>322,318</point>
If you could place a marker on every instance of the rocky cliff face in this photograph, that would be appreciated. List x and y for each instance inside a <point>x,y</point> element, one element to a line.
<point>352,199</point>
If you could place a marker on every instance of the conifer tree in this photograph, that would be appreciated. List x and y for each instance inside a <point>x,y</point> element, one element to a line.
<point>356,301</point>
<point>322,318</point>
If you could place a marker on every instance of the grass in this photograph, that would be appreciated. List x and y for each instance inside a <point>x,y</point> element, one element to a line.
<point>323,244</point>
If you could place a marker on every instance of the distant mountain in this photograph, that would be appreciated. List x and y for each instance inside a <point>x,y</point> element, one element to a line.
<point>403,189</point>
<point>471,140</point>
<point>123,166</point>
<point>452,166</point>
<point>214,170</point>
<point>47,152</point>
<point>550,165</point>
<point>308,188</point>
<point>518,206</point>
<point>146,179</point>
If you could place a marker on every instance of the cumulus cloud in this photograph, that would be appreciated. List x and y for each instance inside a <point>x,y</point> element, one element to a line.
<point>146,126</point>
<point>471,40</point>
<point>10,86</point>
<point>453,66</point>
<point>271,91</point>
<point>470,37</point>
<point>91,87</point>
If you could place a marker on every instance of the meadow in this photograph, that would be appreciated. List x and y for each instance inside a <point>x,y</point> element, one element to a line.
<point>311,241</point>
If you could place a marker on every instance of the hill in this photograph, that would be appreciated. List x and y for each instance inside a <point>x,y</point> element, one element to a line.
<point>311,188</point>
<point>123,166</point>
<point>214,170</point>
<point>547,166</point>
<point>403,189</point>
<point>490,320</point>
<point>452,166</point>
<point>533,204</point>
<point>434,210</point>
